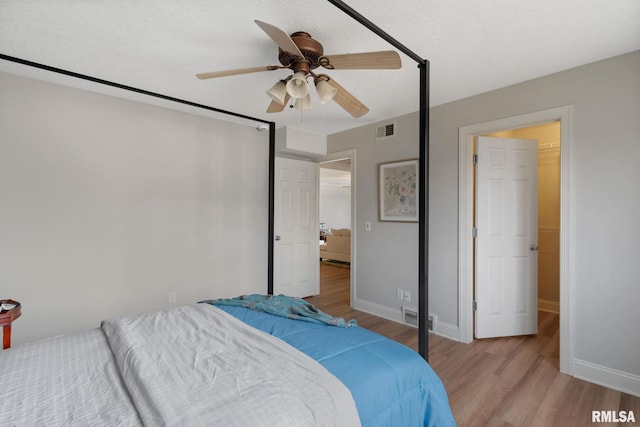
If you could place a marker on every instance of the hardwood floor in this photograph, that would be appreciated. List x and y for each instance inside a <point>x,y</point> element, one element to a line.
<point>493,382</point>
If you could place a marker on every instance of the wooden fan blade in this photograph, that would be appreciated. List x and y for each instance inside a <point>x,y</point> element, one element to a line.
<point>275,107</point>
<point>214,74</point>
<point>347,101</point>
<point>281,38</point>
<point>383,60</point>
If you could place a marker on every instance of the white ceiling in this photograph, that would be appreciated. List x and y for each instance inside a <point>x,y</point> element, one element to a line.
<point>473,47</point>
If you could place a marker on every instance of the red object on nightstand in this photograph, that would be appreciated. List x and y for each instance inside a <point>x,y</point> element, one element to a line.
<point>6,318</point>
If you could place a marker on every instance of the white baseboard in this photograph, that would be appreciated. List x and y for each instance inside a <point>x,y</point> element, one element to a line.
<point>608,377</point>
<point>446,330</point>
<point>442,329</point>
<point>551,306</point>
<point>378,310</point>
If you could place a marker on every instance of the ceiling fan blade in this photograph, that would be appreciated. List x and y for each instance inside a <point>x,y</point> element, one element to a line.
<point>281,38</point>
<point>214,74</point>
<point>347,101</point>
<point>382,60</point>
<point>276,107</point>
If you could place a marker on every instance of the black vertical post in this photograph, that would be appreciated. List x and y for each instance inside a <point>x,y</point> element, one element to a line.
<point>423,228</point>
<point>272,180</point>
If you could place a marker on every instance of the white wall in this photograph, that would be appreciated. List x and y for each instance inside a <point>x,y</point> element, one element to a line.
<point>108,205</point>
<point>335,205</point>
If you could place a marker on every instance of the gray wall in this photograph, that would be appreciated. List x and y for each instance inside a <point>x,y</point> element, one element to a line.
<point>604,205</point>
<point>107,205</point>
<point>387,256</point>
<point>605,199</point>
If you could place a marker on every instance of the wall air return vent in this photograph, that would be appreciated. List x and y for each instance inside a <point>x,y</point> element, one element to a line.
<point>386,131</point>
<point>410,316</point>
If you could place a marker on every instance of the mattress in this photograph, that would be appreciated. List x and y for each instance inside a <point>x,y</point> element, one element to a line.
<point>390,383</point>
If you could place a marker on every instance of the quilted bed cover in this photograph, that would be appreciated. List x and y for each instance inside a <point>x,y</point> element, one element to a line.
<point>193,365</point>
<point>390,383</point>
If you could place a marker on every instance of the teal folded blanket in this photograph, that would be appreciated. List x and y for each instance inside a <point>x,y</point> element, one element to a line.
<point>284,306</point>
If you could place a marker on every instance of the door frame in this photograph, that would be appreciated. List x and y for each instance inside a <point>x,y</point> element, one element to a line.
<point>466,189</point>
<point>340,155</point>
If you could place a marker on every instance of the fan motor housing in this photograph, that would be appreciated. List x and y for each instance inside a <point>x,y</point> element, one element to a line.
<point>310,48</point>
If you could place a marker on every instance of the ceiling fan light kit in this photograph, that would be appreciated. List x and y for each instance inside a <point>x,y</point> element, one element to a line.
<point>278,92</point>
<point>301,54</point>
<point>325,91</point>
<point>297,86</point>
<point>303,103</point>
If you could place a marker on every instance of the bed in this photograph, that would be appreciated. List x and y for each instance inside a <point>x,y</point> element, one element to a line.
<point>202,364</point>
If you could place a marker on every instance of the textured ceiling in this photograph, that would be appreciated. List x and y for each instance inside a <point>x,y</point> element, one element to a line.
<point>473,47</point>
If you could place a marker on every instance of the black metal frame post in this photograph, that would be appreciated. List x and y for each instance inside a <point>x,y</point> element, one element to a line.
<point>272,187</point>
<point>423,227</point>
<point>423,209</point>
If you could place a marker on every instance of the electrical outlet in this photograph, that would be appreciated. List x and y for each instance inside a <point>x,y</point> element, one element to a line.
<point>172,297</point>
<point>399,294</point>
<point>407,296</point>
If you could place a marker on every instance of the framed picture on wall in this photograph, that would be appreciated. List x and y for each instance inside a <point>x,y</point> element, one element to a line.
<point>398,191</point>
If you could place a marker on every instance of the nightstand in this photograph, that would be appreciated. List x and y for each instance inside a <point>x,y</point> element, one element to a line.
<point>7,316</point>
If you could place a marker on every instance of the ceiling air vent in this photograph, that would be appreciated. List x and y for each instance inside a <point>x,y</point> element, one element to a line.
<point>386,131</point>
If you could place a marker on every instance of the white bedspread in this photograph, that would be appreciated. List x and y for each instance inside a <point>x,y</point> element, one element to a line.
<point>196,365</point>
<point>64,381</point>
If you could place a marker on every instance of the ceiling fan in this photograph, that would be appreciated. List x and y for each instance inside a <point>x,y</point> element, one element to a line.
<point>302,54</point>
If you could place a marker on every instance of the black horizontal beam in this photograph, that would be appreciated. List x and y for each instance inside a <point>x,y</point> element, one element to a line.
<point>377,30</point>
<point>125,87</point>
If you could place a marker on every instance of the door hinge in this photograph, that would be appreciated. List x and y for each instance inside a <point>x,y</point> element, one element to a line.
<point>474,232</point>
<point>474,305</point>
<point>475,159</point>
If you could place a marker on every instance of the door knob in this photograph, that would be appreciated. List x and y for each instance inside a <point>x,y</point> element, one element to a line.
<point>277,237</point>
<point>533,247</point>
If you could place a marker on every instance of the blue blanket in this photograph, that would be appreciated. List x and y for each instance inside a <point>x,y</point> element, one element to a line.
<point>390,383</point>
<point>284,306</point>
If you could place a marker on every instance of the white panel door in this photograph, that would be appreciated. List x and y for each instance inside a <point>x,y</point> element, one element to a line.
<point>507,237</point>
<point>296,249</point>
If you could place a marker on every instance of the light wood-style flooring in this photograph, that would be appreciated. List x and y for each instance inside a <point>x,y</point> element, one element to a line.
<point>493,382</point>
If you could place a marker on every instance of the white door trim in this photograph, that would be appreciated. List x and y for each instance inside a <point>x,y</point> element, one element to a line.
<point>339,155</point>
<point>465,221</point>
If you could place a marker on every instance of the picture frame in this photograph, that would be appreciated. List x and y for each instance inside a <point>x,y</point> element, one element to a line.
<point>398,187</point>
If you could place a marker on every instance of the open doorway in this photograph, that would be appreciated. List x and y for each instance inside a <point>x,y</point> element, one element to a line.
<point>466,192</point>
<point>548,137</point>
<point>335,216</point>
<point>510,305</point>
